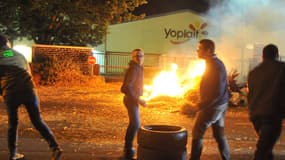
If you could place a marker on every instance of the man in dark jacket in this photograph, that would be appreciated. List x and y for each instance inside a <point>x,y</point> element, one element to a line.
<point>133,88</point>
<point>214,98</point>
<point>18,88</point>
<point>265,97</point>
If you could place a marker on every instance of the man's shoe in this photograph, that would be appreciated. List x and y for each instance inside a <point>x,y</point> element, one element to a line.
<point>56,153</point>
<point>129,154</point>
<point>17,156</point>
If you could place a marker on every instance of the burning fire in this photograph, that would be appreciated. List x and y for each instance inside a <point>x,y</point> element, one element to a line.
<point>170,83</point>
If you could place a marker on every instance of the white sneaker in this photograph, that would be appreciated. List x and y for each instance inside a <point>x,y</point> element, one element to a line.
<point>17,156</point>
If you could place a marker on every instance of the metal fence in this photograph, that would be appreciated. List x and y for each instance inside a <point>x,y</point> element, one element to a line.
<point>117,62</point>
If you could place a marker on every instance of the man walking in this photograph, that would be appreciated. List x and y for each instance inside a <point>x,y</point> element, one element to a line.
<point>18,89</point>
<point>214,98</point>
<point>266,84</point>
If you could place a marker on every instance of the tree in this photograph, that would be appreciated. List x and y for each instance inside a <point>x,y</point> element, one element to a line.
<point>68,22</point>
<point>9,18</point>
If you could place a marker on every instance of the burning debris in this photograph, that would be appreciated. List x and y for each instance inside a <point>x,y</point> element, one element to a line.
<point>179,84</point>
<point>174,84</point>
<point>183,85</point>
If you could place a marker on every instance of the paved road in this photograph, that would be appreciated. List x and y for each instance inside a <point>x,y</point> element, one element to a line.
<point>36,149</point>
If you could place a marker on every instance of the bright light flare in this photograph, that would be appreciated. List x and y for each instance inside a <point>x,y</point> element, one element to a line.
<point>196,69</point>
<point>169,83</point>
<point>25,50</point>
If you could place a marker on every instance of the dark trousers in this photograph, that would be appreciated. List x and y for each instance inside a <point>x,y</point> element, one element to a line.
<point>210,117</point>
<point>268,131</point>
<point>30,100</point>
<point>134,122</point>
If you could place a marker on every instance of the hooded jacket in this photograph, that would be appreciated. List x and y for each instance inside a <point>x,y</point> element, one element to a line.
<point>132,85</point>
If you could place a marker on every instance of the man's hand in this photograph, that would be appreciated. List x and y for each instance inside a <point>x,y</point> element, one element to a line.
<point>198,107</point>
<point>142,102</point>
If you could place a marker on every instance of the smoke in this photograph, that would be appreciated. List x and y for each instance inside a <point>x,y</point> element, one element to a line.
<point>239,26</point>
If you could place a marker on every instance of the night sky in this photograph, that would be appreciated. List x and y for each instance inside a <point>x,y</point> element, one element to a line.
<point>163,6</point>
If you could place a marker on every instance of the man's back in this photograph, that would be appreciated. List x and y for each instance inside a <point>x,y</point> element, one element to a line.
<point>10,57</point>
<point>14,72</point>
<point>14,79</point>
<point>265,88</point>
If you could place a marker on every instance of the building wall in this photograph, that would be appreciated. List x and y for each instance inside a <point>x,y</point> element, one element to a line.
<point>164,34</point>
<point>172,37</point>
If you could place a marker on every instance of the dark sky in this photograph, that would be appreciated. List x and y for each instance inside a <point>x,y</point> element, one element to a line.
<point>163,6</point>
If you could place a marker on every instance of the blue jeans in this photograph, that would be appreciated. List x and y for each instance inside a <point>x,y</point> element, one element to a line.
<point>210,117</point>
<point>30,100</point>
<point>134,122</point>
<point>268,131</point>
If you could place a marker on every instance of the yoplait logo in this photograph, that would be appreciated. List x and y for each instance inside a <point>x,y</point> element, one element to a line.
<point>182,36</point>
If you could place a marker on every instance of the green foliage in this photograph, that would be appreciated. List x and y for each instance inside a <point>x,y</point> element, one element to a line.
<point>9,18</point>
<point>68,22</point>
<point>232,80</point>
<point>47,69</point>
<point>238,92</point>
<point>50,69</point>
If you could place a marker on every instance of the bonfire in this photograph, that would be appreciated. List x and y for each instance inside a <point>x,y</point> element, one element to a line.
<point>181,84</point>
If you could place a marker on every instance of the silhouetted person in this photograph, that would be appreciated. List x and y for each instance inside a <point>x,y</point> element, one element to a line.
<point>266,101</point>
<point>18,89</point>
<point>214,98</point>
<point>132,87</point>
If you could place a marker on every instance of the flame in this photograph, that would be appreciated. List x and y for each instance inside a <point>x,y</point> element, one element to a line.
<point>170,83</point>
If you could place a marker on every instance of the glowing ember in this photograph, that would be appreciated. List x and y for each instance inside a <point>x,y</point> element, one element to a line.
<point>169,83</point>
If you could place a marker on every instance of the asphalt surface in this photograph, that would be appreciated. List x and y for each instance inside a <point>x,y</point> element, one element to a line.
<point>37,149</point>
